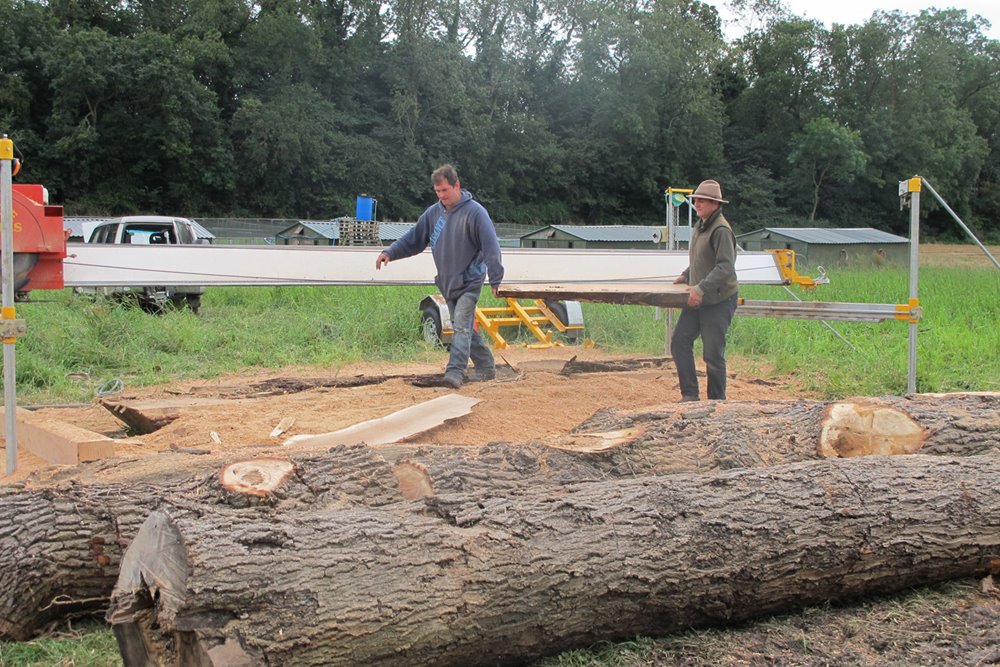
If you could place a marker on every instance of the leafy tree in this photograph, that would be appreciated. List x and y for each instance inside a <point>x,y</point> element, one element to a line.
<point>131,129</point>
<point>784,90</point>
<point>901,81</point>
<point>824,151</point>
<point>290,155</point>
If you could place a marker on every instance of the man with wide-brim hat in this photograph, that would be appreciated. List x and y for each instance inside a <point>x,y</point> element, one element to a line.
<point>712,295</point>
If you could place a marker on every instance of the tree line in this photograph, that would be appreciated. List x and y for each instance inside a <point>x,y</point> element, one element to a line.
<point>554,112</point>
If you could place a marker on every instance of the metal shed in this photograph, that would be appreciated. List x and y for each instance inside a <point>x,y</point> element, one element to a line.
<point>816,246</point>
<point>598,236</point>
<point>307,232</point>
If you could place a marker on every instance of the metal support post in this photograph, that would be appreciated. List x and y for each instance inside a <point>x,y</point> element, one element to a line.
<point>913,189</point>
<point>7,313</point>
<point>676,197</point>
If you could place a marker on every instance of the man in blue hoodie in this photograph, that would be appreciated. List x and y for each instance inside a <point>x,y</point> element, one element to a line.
<point>465,247</point>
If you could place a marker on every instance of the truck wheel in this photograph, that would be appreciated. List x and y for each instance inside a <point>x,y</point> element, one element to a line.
<point>194,302</point>
<point>430,325</point>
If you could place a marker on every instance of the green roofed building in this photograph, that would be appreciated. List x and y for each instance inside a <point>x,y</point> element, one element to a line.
<point>815,246</point>
<point>629,237</point>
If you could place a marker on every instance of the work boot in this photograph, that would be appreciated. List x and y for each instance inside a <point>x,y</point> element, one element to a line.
<point>689,399</point>
<point>453,380</point>
<point>486,375</point>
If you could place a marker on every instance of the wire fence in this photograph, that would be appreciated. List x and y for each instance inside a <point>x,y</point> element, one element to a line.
<point>262,231</point>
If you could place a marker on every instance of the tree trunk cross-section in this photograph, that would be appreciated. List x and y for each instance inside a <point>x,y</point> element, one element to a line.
<point>459,580</point>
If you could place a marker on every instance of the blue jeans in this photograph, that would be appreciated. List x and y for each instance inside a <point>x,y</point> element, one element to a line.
<point>711,323</point>
<point>466,341</point>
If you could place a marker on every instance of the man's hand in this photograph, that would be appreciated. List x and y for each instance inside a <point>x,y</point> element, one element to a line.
<point>694,299</point>
<point>381,260</point>
<point>495,289</point>
<point>681,280</point>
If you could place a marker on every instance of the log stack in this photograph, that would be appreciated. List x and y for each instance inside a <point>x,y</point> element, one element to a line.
<point>635,523</point>
<point>463,580</point>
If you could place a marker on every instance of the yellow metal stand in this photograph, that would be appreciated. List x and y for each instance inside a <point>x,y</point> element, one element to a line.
<point>786,264</point>
<point>537,318</point>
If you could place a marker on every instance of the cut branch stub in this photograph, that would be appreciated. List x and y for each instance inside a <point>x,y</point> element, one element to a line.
<point>414,480</point>
<point>258,477</point>
<point>864,429</point>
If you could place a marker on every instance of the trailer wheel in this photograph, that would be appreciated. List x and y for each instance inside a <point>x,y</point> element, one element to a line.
<point>194,302</point>
<point>24,262</point>
<point>558,308</point>
<point>430,325</point>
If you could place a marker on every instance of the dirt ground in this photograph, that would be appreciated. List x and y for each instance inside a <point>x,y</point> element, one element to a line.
<point>529,400</point>
<point>966,255</point>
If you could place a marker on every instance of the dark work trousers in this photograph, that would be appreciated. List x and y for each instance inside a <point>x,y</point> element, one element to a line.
<point>711,323</point>
<point>466,341</point>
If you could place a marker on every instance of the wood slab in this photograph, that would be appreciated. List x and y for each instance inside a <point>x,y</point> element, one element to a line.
<point>145,417</point>
<point>396,426</point>
<point>664,295</point>
<point>58,442</point>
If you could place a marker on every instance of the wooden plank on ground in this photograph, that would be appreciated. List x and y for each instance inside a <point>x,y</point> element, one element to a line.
<point>395,427</point>
<point>664,295</point>
<point>58,442</point>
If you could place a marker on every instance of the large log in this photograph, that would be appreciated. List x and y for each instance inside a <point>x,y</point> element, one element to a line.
<point>73,535</point>
<point>745,434</point>
<point>458,580</point>
<point>60,547</point>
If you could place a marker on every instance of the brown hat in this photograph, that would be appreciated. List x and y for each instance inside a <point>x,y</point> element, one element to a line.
<point>709,190</point>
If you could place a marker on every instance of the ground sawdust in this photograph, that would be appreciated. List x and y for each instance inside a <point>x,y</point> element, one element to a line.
<point>533,403</point>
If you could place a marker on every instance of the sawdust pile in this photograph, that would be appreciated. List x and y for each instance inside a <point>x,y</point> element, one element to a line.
<point>532,403</point>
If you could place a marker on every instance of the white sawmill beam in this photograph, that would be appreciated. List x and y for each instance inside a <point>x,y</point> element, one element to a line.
<point>105,265</point>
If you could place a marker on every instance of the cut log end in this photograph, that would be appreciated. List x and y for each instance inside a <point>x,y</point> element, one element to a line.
<point>414,480</point>
<point>257,477</point>
<point>864,429</point>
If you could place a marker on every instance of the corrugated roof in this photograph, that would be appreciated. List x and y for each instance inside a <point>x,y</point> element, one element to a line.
<point>390,231</point>
<point>839,236</point>
<point>621,233</point>
<point>200,232</point>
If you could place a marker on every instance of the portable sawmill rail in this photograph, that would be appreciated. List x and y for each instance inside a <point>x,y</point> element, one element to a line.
<point>101,265</point>
<point>640,277</point>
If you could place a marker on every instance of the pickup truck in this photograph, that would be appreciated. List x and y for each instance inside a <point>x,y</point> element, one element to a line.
<point>153,230</point>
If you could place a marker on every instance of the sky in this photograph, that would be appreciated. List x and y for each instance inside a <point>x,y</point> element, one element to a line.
<point>850,12</point>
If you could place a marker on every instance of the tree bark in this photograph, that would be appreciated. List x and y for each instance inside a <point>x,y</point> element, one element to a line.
<point>60,547</point>
<point>459,580</point>
<point>751,434</point>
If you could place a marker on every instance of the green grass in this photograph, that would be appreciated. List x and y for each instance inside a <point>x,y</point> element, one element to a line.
<point>958,347</point>
<point>92,645</point>
<point>76,344</point>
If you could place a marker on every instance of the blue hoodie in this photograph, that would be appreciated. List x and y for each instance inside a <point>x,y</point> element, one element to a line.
<point>463,242</point>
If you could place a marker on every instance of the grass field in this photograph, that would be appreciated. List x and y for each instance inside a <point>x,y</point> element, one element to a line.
<point>76,345</point>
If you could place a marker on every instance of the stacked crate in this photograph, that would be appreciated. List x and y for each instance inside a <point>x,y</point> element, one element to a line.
<point>359,232</point>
